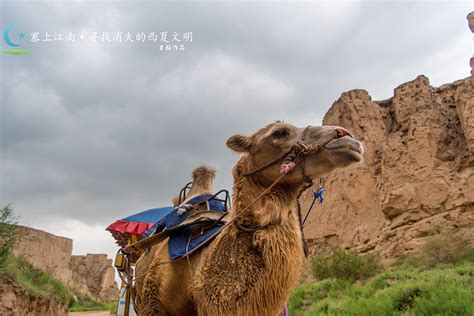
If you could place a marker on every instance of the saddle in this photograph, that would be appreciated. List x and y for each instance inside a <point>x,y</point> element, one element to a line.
<point>188,226</point>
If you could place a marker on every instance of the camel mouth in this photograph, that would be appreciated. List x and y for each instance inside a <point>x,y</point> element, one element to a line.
<point>347,146</point>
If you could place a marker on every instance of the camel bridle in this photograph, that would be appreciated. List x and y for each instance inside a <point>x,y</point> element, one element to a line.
<point>296,154</point>
<point>299,149</point>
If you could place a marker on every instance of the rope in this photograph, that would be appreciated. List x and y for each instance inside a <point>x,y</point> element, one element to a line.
<point>268,189</point>
<point>316,194</point>
<point>298,149</point>
<point>298,208</point>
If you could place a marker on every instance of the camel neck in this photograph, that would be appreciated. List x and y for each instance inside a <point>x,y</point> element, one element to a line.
<point>273,208</point>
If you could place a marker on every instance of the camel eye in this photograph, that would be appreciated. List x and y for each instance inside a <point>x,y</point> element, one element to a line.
<point>280,133</point>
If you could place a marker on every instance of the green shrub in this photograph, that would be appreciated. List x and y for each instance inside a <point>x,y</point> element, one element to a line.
<point>40,283</point>
<point>34,280</point>
<point>306,294</point>
<point>345,265</point>
<point>84,303</point>
<point>439,280</point>
<point>7,232</point>
<point>112,307</point>
<point>444,290</point>
<point>447,249</point>
<point>409,261</point>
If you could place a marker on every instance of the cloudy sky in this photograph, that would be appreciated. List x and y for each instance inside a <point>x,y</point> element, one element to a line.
<point>92,132</point>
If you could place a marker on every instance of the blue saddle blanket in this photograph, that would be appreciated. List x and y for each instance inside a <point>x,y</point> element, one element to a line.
<point>178,246</point>
<point>183,241</point>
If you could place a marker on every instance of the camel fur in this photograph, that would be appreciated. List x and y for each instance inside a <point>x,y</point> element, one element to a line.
<point>253,265</point>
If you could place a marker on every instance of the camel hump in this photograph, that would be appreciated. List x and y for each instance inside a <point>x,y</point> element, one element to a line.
<point>204,171</point>
<point>203,176</point>
<point>175,201</point>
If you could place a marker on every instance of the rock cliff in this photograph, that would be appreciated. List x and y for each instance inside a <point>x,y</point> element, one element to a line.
<point>91,275</point>
<point>17,301</point>
<point>94,276</point>
<point>417,178</point>
<point>45,251</point>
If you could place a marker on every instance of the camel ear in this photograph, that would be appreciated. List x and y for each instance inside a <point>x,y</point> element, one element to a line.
<point>239,143</point>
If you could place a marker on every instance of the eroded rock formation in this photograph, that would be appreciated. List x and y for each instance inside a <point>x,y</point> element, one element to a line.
<point>91,275</point>
<point>45,251</point>
<point>94,275</point>
<point>15,300</point>
<point>417,178</point>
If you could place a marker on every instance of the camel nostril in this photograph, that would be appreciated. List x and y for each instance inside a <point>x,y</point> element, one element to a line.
<point>342,133</point>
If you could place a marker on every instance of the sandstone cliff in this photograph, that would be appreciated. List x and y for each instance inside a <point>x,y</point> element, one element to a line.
<point>417,178</point>
<point>45,251</point>
<point>91,275</point>
<point>94,275</point>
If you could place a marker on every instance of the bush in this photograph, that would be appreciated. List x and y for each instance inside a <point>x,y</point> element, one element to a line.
<point>444,290</point>
<point>306,294</point>
<point>7,232</point>
<point>447,249</point>
<point>84,303</point>
<point>112,307</point>
<point>346,265</point>
<point>409,261</point>
<point>451,249</point>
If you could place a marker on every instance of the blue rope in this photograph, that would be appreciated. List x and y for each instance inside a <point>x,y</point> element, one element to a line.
<point>316,194</point>
<point>319,194</point>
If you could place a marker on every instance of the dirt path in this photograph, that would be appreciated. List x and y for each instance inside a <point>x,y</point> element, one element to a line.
<point>96,313</point>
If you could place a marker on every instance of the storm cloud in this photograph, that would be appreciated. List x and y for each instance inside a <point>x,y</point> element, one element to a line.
<point>92,132</point>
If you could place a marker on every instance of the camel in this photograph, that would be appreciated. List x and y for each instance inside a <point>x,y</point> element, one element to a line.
<point>251,267</point>
<point>203,178</point>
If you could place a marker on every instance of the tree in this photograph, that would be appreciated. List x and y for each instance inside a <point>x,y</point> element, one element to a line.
<point>8,222</point>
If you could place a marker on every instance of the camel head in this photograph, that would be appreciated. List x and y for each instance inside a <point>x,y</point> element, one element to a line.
<point>339,149</point>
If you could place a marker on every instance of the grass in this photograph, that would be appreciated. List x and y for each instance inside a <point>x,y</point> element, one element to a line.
<point>448,248</point>
<point>86,304</point>
<point>112,308</point>
<point>346,265</point>
<point>444,290</point>
<point>35,281</point>
<point>437,281</point>
<point>39,283</point>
